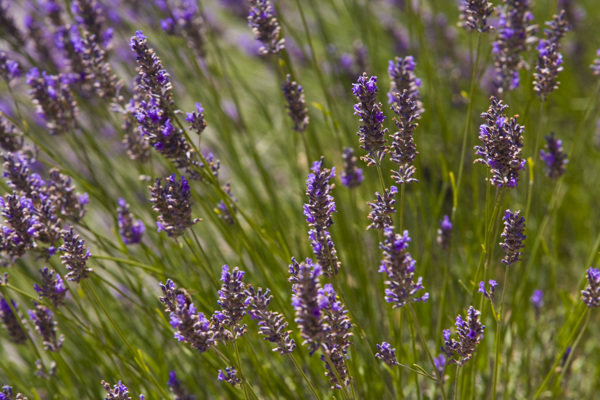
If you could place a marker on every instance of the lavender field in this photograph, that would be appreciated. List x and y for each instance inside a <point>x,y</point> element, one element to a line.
<point>299,199</point>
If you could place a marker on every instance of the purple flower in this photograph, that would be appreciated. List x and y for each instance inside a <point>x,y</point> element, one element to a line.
<point>382,209</point>
<point>387,354</point>
<point>554,157</point>
<point>10,320</point>
<point>232,299</point>
<point>196,119</point>
<point>294,96</point>
<point>591,295</point>
<point>470,334</point>
<point>318,213</point>
<point>9,69</point>
<point>75,256</point>
<point>173,205</point>
<point>371,131</point>
<point>271,324</point>
<point>177,388</point>
<point>117,392</point>
<point>350,176</point>
<point>403,149</point>
<point>265,27</point>
<point>502,145</point>
<point>514,226</point>
<point>550,60</point>
<point>490,294</point>
<point>444,233</point>
<point>131,232</point>
<point>399,266</point>
<point>537,300</point>
<point>187,22</point>
<point>42,317</point>
<point>53,287</point>
<point>11,138</point>
<point>229,376</point>
<point>474,15</point>
<point>402,76</point>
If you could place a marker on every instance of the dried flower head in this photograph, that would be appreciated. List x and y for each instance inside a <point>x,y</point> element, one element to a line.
<point>265,27</point>
<point>591,295</point>
<point>173,205</point>
<point>371,131</point>
<point>514,227</point>
<point>382,209</point>
<point>470,334</point>
<point>294,96</point>
<point>502,145</point>
<point>554,157</point>
<point>399,266</point>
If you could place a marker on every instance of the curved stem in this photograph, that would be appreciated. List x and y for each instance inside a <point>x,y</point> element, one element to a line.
<point>499,333</point>
<point>299,368</point>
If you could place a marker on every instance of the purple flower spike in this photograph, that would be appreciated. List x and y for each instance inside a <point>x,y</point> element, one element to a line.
<point>514,227</point>
<point>489,294</point>
<point>42,317</point>
<point>177,388</point>
<point>131,232</point>
<point>15,332</point>
<point>403,149</point>
<point>474,15</point>
<point>265,27</point>
<point>444,233</point>
<point>591,294</point>
<point>118,392</point>
<point>470,334</point>
<point>402,75</point>
<point>554,157</point>
<point>232,299</point>
<point>229,376</point>
<point>53,287</point>
<point>196,119</point>
<point>9,69</point>
<point>351,176</point>
<point>318,213</point>
<point>387,354</point>
<point>399,266</point>
<point>296,104</point>
<point>382,209</point>
<point>550,61</point>
<point>502,145</point>
<point>75,256</point>
<point>173,205</point>
<point>371,131</point>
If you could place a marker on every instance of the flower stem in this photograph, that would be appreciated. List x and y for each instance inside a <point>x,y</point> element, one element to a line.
<point>499,333</point>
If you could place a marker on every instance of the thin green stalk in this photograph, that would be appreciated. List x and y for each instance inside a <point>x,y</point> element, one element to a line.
<point>401,206</point>
<point>456,382</point>
<point>467,122</point>
<point>341,383</point>
<point>245,383</point>
<point>532,160</point>
<point>499,321</point>
<point>310,385</point>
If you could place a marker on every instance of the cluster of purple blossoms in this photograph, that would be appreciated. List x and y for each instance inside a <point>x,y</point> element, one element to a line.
<point>382,209</point>
<point>595,67</point>
<point>233,300</point>
<point>229,376</point>
<point>537,301</point>
<point>42,317</point>
<point>502,145</point>
<point>591,295</point>
<point>154,80</point>
<point>399,266</point>
<point>10,320</point>
<point>489,295</point>
<point>470,334</point>
<point>196,119</point>
<point>53,287</point>
<point>117,392</point>
<point>444,233</point>
<point>131,231</point>
<point>54,100</point>
<point>9,69</point>
<point>515,36</point>
<point>554,157</point>
<point>89,16</point>
<point>9,29</point>
<point>225,213</point>
<point>322,319</point>
<point>190,327</point>
<point>318,213</point>
<point>11,137</point>
<point>403,149</point>
<point>271,324</point>
<point>550,60</point>
<point>474,15</point>
<point>75,256</point>
<point>371,132</point>
<point>179,393</point>
<point>402,76</point>
<point>173,205</point>
<point>188,23</point>
<point>19,232</point>
<point>265,27</point>
<point>296,105</point>
<point>514,227</point>
<point>7,391</point>
<point>387,354</point>
<point>351,176</point>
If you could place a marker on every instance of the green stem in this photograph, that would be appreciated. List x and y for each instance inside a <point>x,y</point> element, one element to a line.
<point>456,382</point>
<point>310,385</point>
<point>499,333</point>
<point>533,157</point>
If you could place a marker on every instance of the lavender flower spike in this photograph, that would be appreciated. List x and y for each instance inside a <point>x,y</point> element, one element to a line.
<point>53,287</point>
<point>470,334</point>
<point>402,75</point>
<point>591,295</point>
<point>444,233</point>
<point>75,256</point>
<point>549,59</point>
<point>196,119</point>
<point>265,26</point>
<point>233,299</point>
<point>387,354</point>
<point>371,132</point>
<point>131,232</point>
<point>10,320</point>
<point>474,14</point>
<point>514,226</point>
<point>173,205</point>
<point>177,389</point>
<point>399,266</point>
<point>382,209</point>
<point>403,149</point>
<point>294,96</point>
<point>117,392</point>
<point>318,213</point>
<point>11,138</point>
<point>229,376</point>
<point>554,157</point>
<point>489,295</point>
<point>9,69</point>
<point>350,176</point>
<point>46,327</point>
<point>502,145</point>
<point>271,324</point>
